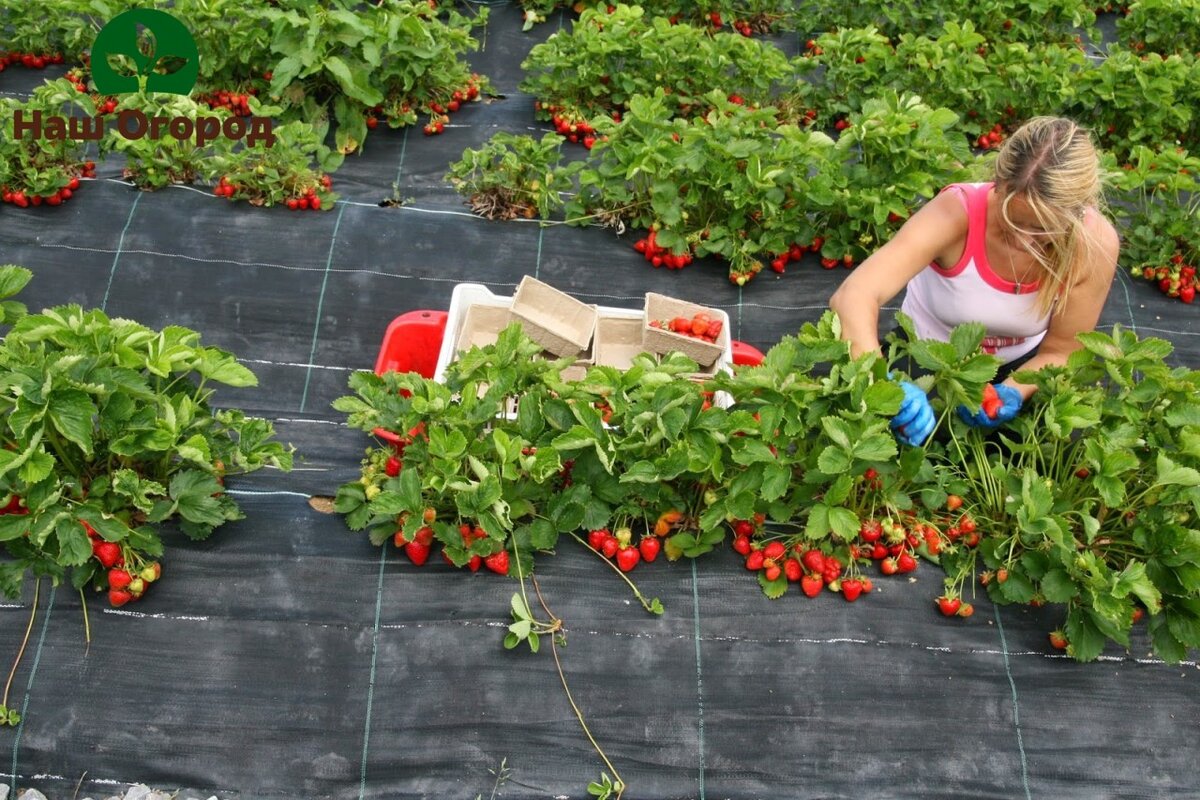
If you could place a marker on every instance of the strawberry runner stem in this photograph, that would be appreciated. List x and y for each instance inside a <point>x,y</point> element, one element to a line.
<point>37,588</point>
<point>620,784</point>
<point>87,626</point>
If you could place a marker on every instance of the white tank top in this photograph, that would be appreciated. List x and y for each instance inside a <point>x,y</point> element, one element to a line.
<point>939,299</point>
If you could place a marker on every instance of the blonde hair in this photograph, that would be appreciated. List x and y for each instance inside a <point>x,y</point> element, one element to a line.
<point>1051,163</point>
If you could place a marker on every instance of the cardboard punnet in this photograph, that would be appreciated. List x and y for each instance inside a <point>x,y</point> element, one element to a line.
<point>481,326</point>
<point>555,320</point>
<point>618,341</point>
<point>660,341</point>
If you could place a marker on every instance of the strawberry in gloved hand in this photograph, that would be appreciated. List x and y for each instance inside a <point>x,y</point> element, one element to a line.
<point>913,424</point>
<point>1000,405</point>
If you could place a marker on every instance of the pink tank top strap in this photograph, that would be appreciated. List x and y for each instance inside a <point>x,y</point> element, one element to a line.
<point>974,199</point>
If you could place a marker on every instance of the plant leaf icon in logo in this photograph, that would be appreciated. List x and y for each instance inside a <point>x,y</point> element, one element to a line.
<point>145,49</point>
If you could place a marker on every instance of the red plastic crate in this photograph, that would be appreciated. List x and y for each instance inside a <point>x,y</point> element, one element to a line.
<point>410,344</point>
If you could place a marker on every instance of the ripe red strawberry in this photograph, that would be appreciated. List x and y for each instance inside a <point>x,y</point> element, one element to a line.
<point>906,563</point>
<point>118,579</point>
<point>107,553</point>
<point>829,263</point>
<point>610,546</point>
<point>991,401</point>
<point>793,570</point>
<point>814,560</point>
<point>118,597</point>
<point>417,553</point>
<point>398,539</point>
<point>774,551</point>
<point>811,585</point>
<point>851,589</point>
<point>741,545</point>
<point>498,562</point>
<point>649,548</point>
<point>392,467</point>
<point>714,329</point>
<point>1138,613</point>
<point>966,524</point>
<point>475,563</point>
<point>879,551</point>
<point>1187,294</point>
<point>870,531</point>
<point>628,558</point>
<point>949,606</point>
<point>743,528</point>
<point>754,561</point>
<point>596,538</point>
<point>772,572</point>
<point>888,566</point>
<point>1058,640</point>
<point>424,535</point>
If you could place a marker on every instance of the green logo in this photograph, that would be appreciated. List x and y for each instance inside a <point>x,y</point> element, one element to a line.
<point>145,49</point>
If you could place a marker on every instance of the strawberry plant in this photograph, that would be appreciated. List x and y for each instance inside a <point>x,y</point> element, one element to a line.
<point>1161,26</point>
<point>895,154</point>
<point>109,433</point>
<point>1157,199</point>
<point>1113,97</point>
<point>747,17</point>
<point>388,62</point>
<point>153,162</point>
<point>513,176</point>
<point>282,174</point>
<point>40,34</point>
<point>36,169</point>
<point>1092,498</point>
<point>606,59</point>
<point>998,20</point>
<point>733,184</point>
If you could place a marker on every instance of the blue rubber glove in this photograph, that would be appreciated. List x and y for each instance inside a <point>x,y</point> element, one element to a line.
<point>1011,401</point>
<point>913,424</point>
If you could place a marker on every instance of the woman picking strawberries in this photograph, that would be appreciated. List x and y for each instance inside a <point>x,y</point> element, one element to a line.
<point>1029,255</point>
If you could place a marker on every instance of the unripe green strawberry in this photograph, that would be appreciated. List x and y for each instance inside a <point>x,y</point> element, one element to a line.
<point>137,586</point>
<point>151,572</point>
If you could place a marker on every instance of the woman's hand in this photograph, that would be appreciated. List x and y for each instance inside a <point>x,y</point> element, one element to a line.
<point>1000,405</point>
<point>914,422</point>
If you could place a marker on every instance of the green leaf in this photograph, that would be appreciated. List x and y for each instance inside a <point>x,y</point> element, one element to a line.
<point>37,468</point>
<point>833,460</point>
<point>355,83</point>
<point>74,547</point>
<point>1058,587</point>
<point>844,523</point>
<point>776,479</point>
<point>1086,641</point>
<point>13,279</point>
<point>1172,474</point>
<point>13,526</point>
<point>192,491</point>
<point>773,589</point>
<point>876,447</point>
<point>71,412</point>
<point>12,575</point>
<point>1133,579</point>
<point>220,366</point>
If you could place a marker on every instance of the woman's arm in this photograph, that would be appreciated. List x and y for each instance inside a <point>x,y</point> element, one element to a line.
<point>926,237</point>
<point>1082,310</point>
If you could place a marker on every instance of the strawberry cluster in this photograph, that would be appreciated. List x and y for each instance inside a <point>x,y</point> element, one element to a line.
<point>440,113</point>
<point>794,253</point>
<point>661,256</point>
<point>1174,280</point>
<point>29,60</point>
<point>992,138</point>
<point>129,578</point>
<point>700,326</point>
<point>571,123</point>
<point>23,199</point>
<point>237,103</point>
<point>620,548</point>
